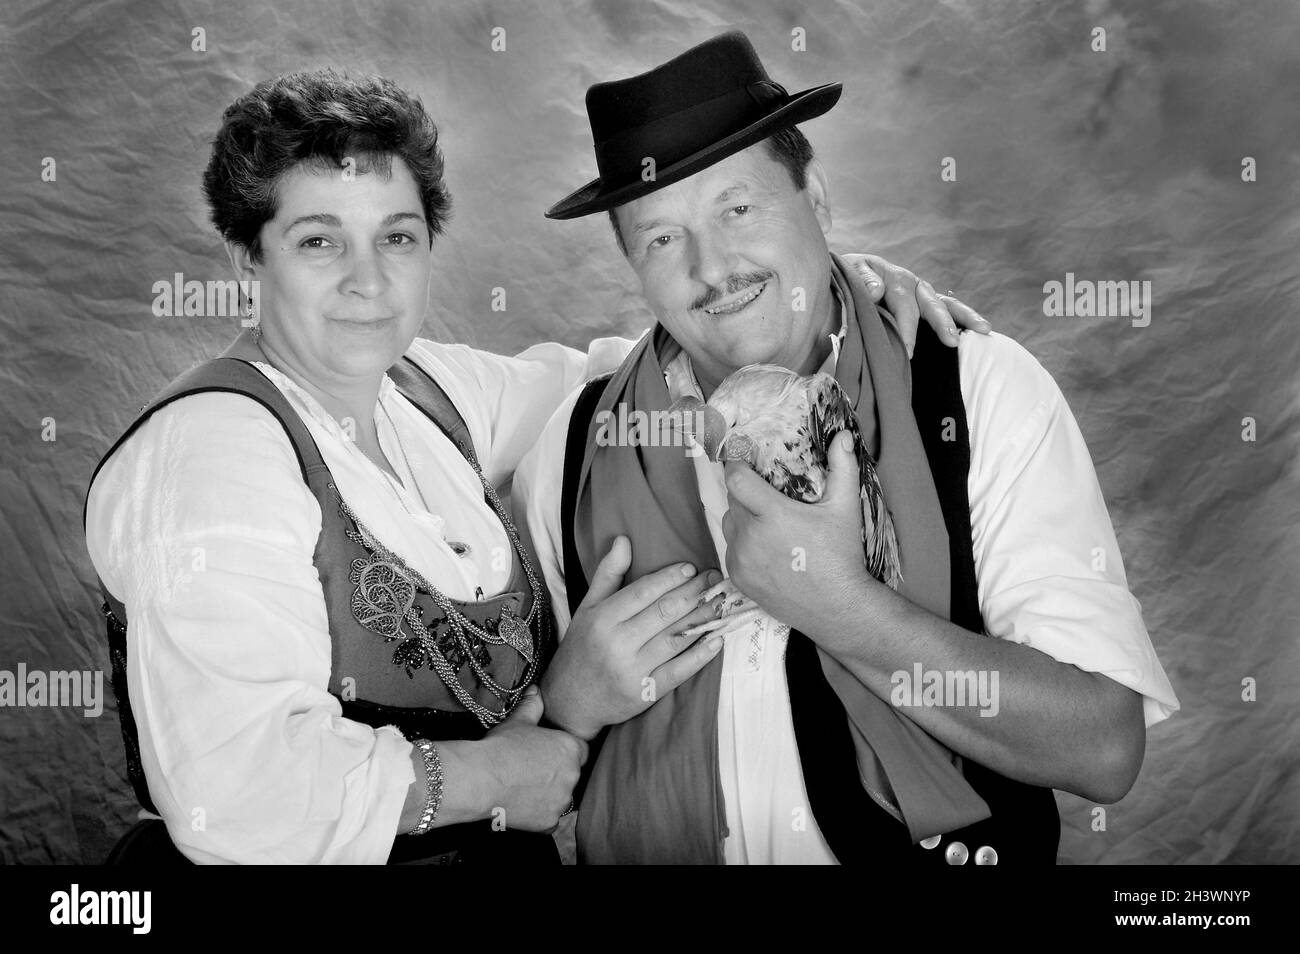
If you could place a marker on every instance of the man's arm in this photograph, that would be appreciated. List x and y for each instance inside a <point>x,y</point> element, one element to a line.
<point>1074,661</point>
<point>1055,725</point>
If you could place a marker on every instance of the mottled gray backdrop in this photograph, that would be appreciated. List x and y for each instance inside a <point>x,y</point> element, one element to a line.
<point>1117,165</point>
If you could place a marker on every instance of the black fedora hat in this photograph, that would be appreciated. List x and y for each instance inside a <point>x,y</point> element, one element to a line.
<point>698,108</point>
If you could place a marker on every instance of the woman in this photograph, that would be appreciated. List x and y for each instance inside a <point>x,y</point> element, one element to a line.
<point>319,578</point>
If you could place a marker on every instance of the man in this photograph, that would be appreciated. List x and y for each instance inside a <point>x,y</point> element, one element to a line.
<point>792,744</point>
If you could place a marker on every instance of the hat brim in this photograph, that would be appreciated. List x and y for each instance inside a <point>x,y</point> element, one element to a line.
<point>598,196</point>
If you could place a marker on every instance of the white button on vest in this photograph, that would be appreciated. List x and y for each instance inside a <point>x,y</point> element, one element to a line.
<point>956,854</point>
<point>931,842</point>
<point>986,856</point>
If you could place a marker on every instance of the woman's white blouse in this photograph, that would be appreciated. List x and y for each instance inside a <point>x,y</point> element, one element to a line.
<point>202,525</point>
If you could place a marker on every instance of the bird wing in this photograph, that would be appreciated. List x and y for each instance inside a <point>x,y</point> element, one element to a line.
<point>829,413</point>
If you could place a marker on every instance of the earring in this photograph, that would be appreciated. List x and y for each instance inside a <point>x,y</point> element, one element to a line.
<point>251,313</point>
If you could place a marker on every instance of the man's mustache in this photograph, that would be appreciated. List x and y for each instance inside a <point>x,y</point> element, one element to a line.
<point>734,284</point>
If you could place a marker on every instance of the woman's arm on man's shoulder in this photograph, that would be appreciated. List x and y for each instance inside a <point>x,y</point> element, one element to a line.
<point>507,400</point>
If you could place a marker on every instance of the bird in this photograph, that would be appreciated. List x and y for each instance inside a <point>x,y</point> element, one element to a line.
<point>781,424</point>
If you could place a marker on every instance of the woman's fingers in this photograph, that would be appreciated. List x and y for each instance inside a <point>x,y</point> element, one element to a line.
<point>935,312</point>
<point>684,665</point>
<point>860,263</point>
<point>670,642</point>
<point>965,315</point>
<point>608,575</point>
<point>668,610</point>
<point>638,604</point>
<point>900,299</point>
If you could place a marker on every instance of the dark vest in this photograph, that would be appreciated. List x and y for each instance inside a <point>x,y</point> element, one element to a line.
<point>381,629</point>
<point>1024,827</point>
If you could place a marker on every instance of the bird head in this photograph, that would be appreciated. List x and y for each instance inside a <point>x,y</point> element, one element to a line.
<point>706,424</point>
<point>750,414</point>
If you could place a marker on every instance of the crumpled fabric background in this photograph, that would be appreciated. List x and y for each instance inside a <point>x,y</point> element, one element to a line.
<point>1116,165</point>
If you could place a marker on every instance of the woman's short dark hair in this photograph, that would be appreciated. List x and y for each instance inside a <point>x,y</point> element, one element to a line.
<point>322,118</point>
<point>789,146</point>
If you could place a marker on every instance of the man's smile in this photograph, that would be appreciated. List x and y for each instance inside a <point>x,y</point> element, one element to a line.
<point>737,304</point>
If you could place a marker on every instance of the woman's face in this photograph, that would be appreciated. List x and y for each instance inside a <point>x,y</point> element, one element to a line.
<point>344,276</point>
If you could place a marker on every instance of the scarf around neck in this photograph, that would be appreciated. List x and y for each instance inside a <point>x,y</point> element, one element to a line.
<point>655,794</point>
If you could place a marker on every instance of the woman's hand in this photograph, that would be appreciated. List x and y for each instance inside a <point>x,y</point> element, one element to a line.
<point>534,769</point>
<point>520,773</point>
<point>624,648</point>
<point>909,300</point>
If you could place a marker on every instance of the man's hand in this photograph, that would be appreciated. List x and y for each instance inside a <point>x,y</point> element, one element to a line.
<point>1057,725</point>
<point>798,561</point>
<point>909,300</point>
<point>624,648</point>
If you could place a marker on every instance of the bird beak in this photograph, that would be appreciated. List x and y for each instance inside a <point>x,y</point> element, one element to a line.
<point>714,431</point>
<point>703,423</point>
<point>684,415</point>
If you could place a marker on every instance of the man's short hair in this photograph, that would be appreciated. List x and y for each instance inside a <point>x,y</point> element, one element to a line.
<point>321,118</point>
<point>790,147</point>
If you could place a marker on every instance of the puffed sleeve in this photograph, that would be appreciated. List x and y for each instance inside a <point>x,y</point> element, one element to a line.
<point>506,401</point>
<point>202,525</point>
<point>1047,561</point>
<point>536,500</point>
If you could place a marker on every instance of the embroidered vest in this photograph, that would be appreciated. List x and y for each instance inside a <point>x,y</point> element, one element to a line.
<point>1024,827</point>
<point>395,660</point>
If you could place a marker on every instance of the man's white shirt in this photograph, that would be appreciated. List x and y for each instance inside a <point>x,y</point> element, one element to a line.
<point>1047,563</point>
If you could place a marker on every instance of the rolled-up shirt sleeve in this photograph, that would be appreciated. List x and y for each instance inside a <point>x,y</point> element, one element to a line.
<point>1048,564</point>
<point>202,525</point>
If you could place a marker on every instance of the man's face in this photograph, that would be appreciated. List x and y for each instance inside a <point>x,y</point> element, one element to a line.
<point>734,263</point>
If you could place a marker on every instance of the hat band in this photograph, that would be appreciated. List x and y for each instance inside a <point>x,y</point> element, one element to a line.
<point>672,138</point>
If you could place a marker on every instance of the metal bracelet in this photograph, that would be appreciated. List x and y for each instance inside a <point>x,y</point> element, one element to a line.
<point>433,794</point>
